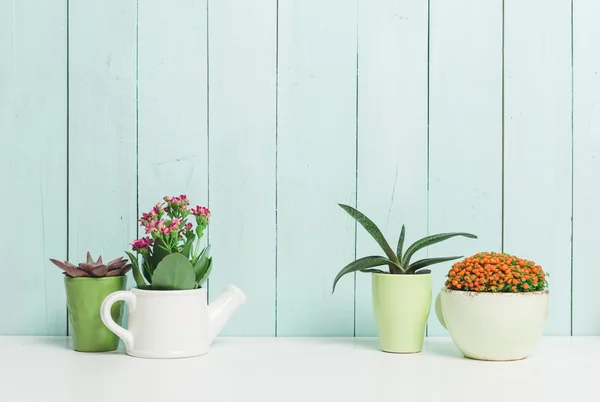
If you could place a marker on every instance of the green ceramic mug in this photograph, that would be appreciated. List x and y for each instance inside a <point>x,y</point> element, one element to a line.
<point>84,298</point>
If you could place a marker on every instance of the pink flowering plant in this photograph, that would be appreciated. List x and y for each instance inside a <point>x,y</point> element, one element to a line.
<point>171,258</point>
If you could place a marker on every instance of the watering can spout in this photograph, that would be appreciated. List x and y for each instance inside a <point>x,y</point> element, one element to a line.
<point>222,308</point>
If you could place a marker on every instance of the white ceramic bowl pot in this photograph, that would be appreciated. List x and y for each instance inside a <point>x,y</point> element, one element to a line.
<point>497,312</point>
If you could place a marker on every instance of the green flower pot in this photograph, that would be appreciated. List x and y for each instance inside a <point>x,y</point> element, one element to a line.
<point>401,304</point>
<point>84,297</point>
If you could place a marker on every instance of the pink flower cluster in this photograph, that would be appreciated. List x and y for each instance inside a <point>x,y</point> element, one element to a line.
<point>201,211</point>
<point>181,202</point>
<point>153,215</point>
<point>142,244</point>
<point>161,226</point>
<point>167,220</point>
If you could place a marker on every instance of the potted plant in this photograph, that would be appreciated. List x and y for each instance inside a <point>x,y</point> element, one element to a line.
<point>402,295</point>
<point>168,311</point>
<point>171,258</point>
<point>86,286</point>
<point>494,306</point>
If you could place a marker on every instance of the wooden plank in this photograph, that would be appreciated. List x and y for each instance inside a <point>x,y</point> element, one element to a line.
<point>172,102</point>
<point>465,150</point>
<point>316,165</point>
<point>538,140</point>
<point>242,57</point>
<point>33,167</point>
<point>392,131</point>
<point>586,194</point>
<point>102,129</point>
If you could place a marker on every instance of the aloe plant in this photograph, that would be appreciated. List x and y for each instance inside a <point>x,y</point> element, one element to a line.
<point>399,262</point>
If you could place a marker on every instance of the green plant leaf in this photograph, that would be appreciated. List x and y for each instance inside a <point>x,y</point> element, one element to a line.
<point>395,269</point>
<point>400,243</point>
<point>146,271</point>
<point>187,247</point>
<point>373,230</point>
<point>174,272</point>
<point>135,269</point>
<point>372,270</point>
<point>206,274</point>
<point>360,264</point>
<point>160,251</point>
<point>201,268</point>
<point>423,271</point>
<point>202,265</point>
<point>428,241</point>
<point>429,261</point>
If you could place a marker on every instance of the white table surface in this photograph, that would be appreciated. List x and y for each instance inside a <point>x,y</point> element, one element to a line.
<point>45,369</point>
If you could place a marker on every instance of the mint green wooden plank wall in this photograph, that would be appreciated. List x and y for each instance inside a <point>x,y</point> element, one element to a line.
<point>242,80</point>
<point>316,165</point>
<point>102,129</point>
<point>33,166</point>
<point>482,120</point>
<point>586,161</point>
<point>392,144</point>
<point>465,130</point>
<point>538,144</point>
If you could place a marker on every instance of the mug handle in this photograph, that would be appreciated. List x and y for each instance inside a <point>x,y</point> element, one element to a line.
<point>129,298</point>
<point>438,309</point>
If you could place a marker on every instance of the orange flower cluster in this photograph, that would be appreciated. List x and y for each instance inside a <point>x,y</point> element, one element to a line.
<point>496,272</point>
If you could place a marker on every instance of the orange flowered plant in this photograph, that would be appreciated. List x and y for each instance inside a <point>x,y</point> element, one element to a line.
<point>496,272</point>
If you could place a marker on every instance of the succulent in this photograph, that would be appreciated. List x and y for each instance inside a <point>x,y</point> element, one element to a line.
<point>94,269</point>
<point>399,261</point>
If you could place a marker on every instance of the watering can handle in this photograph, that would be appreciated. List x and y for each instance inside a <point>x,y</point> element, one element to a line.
<point>438,309</point>
<point>129,298</point>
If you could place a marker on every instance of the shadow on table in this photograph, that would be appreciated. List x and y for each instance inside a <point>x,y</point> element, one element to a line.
<point>446,349</point>
<point>367,343</point>
<point>55,342</point>
<point>360,343</point>
<point>65,343</point>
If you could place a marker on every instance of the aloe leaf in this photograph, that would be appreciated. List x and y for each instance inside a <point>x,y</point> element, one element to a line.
<point>174,272</point>
<point>429,261</point>
<point>423,272</point>
<point>137,275</point>
<point>206,274</point>
<point>428,241</point>
<point>395,269</point>
<point>89,258</point>
<point>360,264</point>
<point>372,270</point>
<point>400,243</point>
<point>372,229</point>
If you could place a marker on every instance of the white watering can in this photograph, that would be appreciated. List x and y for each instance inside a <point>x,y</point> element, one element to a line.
<point>171,323</point>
